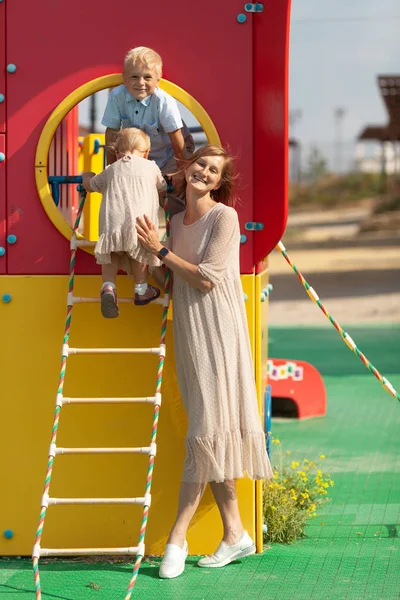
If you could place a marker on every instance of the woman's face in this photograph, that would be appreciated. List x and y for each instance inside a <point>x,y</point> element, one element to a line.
<point>205,174</point>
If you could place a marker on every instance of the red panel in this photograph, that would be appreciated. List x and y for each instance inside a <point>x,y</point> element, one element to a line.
<point>2,66</point>
<point>271,50</point>
<point>217,73</point>
<point>3,243</point>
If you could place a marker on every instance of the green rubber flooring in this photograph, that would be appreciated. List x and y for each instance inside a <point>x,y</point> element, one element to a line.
<point>352,549</point>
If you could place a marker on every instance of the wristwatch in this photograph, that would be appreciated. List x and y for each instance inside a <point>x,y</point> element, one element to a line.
<point>163,253</point>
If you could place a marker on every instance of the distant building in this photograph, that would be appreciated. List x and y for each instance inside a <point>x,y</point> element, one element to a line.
<point>378,147</point>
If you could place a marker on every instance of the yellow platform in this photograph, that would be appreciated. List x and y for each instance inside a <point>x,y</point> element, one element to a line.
<point>32,327</point>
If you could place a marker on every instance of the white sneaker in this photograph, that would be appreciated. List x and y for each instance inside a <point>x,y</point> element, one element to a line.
<point>173,563</point>
<point>225,554</point>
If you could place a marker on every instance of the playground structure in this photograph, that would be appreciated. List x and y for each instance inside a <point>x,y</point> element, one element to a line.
<point>37,126</point>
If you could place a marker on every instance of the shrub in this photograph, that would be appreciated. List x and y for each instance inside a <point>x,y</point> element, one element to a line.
<point>297,490</point>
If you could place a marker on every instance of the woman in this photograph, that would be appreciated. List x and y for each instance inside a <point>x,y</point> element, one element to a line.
<point>225,440</point>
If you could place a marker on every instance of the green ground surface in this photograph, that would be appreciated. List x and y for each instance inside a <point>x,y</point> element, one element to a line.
<point>352,549</point>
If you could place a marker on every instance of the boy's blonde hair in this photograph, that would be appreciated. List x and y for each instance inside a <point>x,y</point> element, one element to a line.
<point>131,139</point>
<point>145,56</point>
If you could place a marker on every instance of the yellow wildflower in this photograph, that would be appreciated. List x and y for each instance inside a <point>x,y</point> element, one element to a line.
<point>322,457</point>
<point>273,507</point>
<point>288,452</point>
<point>284,517</point>
<point>276,441</point>
<point>295,465</point>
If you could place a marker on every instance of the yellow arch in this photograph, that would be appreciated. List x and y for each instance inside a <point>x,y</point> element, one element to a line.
<point>72,100</point>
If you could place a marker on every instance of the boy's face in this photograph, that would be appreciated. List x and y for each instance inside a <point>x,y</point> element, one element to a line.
<point>140,80</point>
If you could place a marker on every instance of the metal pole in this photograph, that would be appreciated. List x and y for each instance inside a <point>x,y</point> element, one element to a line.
<point>339,114</point>
<point>93,113</point>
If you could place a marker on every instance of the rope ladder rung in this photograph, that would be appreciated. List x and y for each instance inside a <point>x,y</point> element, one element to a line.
<point>73,351</point>
<point>64,501</point>
<point>72,300</point>
<point>123,400</point>
<point>88,551</point>
<point>117,450</point>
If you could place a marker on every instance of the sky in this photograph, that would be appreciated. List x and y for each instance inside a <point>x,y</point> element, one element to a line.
<point>337,49</point>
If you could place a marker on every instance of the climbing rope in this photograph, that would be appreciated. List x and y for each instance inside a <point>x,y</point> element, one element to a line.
<point>344,335</point>
<point>149,479</point>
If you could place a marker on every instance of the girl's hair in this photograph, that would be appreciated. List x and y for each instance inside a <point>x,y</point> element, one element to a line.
<point>225,192</point>
<point>130,139</point>
<point>146,56</point>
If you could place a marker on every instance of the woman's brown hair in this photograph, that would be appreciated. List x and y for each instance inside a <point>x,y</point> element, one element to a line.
<point>225,192</point>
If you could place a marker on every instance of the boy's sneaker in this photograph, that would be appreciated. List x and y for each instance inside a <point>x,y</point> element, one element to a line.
<point>109,302</point>
<point>150,294</point>
<point>225,554</point>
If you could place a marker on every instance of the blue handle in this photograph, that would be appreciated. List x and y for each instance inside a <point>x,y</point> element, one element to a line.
<point>56,180</point>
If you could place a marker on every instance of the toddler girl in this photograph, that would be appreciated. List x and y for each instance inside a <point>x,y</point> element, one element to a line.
<point>131,187</point>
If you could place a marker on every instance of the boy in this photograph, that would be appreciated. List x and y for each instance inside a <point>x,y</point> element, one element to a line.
<point>139,102</point>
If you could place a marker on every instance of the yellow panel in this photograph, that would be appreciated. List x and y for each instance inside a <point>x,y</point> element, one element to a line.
<point>95,163</point>
<point>30,354</point>
<point>80,154</point>
<point>261,357</point>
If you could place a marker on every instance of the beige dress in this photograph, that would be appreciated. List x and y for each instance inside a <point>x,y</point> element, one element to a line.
<point>215,372</point>
<point>130,189</point>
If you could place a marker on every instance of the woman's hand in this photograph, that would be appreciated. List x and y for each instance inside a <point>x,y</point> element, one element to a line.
<point>148,235</point>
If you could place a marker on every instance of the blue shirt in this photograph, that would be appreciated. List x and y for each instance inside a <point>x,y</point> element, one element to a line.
<point>157,115</point>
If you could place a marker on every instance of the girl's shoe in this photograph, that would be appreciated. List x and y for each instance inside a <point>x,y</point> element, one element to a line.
<point>150,294</point>
<point>173,563</point>
<point>109,302</point>
<point>225,554</point>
